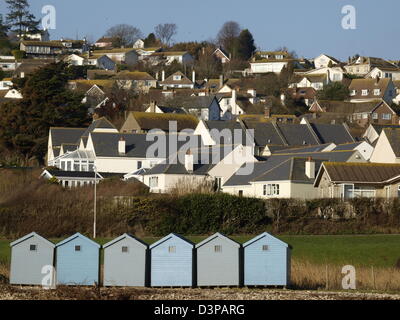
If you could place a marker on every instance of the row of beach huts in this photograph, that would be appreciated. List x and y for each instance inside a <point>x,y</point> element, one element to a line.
<point>173,261</point>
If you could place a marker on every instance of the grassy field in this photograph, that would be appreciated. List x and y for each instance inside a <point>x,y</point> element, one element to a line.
<point>372,250</point>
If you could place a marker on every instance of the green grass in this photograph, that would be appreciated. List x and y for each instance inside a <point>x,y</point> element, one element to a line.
<point>371,250</point>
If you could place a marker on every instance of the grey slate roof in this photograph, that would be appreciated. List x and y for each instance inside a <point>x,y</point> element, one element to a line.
<point>297,134</point>
<point>264,133</point>
<point>106,145</point>
<point>335,133</point>
<point>235,129</point>
<point>275,161</point>
<point>317,148</point>
<point>61,136</point>
<point>347,146</point>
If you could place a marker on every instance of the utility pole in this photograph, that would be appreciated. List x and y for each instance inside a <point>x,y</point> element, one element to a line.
<point>95,202</point>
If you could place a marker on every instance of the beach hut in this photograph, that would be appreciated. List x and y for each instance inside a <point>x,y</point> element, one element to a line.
<point>172,262</point>
<point>125,262</point>
<point>77,261</point>
<point>218,262</point>
<point>29,255</point>
<point>266,261</point>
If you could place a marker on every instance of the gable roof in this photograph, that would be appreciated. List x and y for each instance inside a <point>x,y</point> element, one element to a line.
<point>28,236</point>
<point>276,160</point>
<point>170,80</point>
<point>61,136</point>
<point>124,236</point>
<point>369,173</point>
<point>172,235</point>
<point>218,235</point>
<point>369,84</point>
<point>264,235</point>
<point>78,235</point>
<point>148,121</point>
<point>134,75</point>
<point>393,136</point>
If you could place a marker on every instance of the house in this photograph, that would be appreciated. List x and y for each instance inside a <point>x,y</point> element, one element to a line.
<point>324,61</point>
<point>269,61</point>
<point>155,108</point>
<point>138,81</point>
<point>139,44</point>
<point>358,180</point>
<point>361,66</point>
<point>366,90</point>
<point>221,55</point>
<point>126,56</point>
<point>42,49</point>
<point>76,179</point>
<point>201,167</point>
<point>28,66</point>
<point>385,73</point>
<point>205,108</point>
<point>105,42</point>
<point>6,84</point>
<point>177,80</point>
<point>78,261</point>
<point>144,122</point>
<point>172,260</point>
<point>374,131</point>
<point>105,63</point>
<point>168,57</point>
<point>267,261</point>
<point>219,262</point>
<point>363,147</point>
<point>302,95</point>
<point>29,255</point>
<point>8,63</point>
<point>13,94</point>
<point>75,60</point>
<point>286,175</point>
<point>126,261</point>
<point>315,81</point>
<point>387,147</point>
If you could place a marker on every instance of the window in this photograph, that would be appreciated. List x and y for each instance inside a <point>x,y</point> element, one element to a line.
<point>241,193</point>
<point>177,78</point>
<point>386,116</point>
<point>365,92</point>
<point>271,190</point>
<point>153,182</point>
<point>77,248</point>
<point>265,248</point>
<point>125,249</point>
<point>375,116</point>
<point>218,249</point>
<point>172,249</point>
<point>377,92</point>
<point>398,191</point>
<point>139,165</point>
<point>33,247</point>
<point>353,92</point>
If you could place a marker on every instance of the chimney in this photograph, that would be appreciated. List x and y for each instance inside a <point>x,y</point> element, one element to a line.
<point>267,112</point>
<point>157,75</point>
<point>189,161</point>
<point>194,76</point>
<point>310,168</point>
<point>221,81</point>
<point>153,106</point>
<point>163,75</point>
<point>122,146</point>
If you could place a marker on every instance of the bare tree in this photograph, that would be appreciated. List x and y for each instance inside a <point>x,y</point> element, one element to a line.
<point>125,35</point>
<point>227,36</point>
<point>165,32</point>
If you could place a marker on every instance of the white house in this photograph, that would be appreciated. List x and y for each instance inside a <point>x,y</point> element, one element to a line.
<point>139,44</point>
<point>387,148</point>
<point>382,72</point>
<point>324,61</point>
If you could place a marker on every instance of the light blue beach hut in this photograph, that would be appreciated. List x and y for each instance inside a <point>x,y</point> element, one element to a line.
<point>172,262</point>
<point>126,262</point>
<point>266,261</point>
<point>29,255</point>
<point>77,261</point>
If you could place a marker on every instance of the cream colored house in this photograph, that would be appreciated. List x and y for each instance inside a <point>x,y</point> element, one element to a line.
<point>323,61</point>
<point>387,148</point>
<point>358,180</point>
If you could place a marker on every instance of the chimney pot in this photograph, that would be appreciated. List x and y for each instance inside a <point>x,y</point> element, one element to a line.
<point>122,146</point>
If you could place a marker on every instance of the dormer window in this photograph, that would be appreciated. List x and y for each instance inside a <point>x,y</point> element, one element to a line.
<point>353,92</point>
<point>365,92</point>
<point>177,78</point>
<point>377,92</point>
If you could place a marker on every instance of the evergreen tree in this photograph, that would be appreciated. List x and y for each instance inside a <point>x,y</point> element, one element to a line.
<point>46,102</point>
<point>20,20</point>
<point>151,41</point>
<point>245,45</point>
<point>3,29</point>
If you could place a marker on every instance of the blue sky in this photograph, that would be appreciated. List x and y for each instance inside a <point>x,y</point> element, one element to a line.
<point>309,27</point>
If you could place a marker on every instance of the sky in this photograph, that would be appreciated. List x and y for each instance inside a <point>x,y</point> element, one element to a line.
<point>309,27</point>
